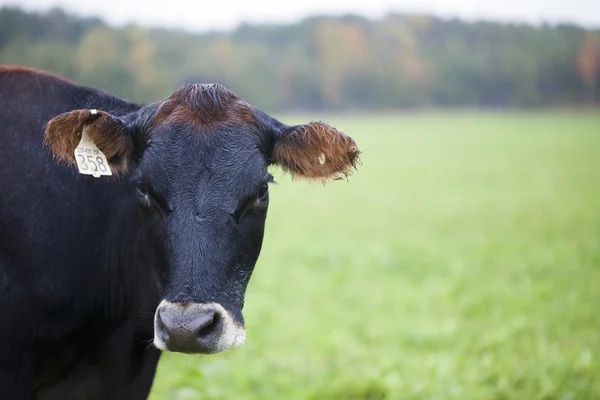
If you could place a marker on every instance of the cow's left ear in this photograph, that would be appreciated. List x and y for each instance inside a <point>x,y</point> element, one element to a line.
<point>315,151</point>
<point>108,133</point>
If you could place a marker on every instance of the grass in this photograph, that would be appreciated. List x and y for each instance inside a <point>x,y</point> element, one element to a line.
<point>462,261</point>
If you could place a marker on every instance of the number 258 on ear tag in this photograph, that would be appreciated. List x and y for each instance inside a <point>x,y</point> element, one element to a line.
<point>90,160</point>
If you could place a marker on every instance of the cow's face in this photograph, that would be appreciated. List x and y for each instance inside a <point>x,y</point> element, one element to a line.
<point>197,163</point>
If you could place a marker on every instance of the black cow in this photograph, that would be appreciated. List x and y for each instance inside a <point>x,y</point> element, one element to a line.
<point>98,274</point>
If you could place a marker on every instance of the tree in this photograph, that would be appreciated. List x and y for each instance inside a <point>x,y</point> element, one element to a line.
<point>587,63</point>
<point>350,62</point>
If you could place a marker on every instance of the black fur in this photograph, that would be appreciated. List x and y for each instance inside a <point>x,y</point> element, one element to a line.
<point>84,261</point>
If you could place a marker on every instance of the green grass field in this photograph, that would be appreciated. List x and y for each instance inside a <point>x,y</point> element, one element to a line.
<point>462,261</point>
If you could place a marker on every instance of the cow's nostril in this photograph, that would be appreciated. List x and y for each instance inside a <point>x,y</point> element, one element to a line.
<point>161,328</point>
<point>208,329</point>
<point>201,322</point>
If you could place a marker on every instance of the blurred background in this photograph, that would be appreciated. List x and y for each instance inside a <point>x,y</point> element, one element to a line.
<point>462,259</point>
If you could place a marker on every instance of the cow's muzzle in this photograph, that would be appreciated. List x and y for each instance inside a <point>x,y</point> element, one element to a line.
<point>201,328</point>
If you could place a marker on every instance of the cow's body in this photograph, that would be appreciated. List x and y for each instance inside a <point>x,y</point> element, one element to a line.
<point>78,303</point>
<point>97,275</point>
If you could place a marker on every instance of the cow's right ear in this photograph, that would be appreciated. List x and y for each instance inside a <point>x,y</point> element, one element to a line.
<point>109,133</point>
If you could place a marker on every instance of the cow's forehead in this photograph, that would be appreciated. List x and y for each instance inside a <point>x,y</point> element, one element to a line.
<point>219,143</point>
<point>190,156</point>
<point>204,107</point>
<point>205,133</point>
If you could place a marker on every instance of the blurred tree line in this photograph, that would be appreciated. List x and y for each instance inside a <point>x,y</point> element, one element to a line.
<point>325,63</point>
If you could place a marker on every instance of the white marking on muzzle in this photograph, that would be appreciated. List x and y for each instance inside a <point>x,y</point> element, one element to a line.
<point>232,334</point>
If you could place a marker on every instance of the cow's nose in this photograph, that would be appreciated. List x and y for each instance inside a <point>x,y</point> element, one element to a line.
<point>188,329</point>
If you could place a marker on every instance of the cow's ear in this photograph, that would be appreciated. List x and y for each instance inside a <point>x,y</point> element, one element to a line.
<point>315,151</point>
<point>108,133</point>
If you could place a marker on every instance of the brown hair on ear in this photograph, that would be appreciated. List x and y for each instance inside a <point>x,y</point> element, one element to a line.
<point>63,134</point>
<point>316,151</point>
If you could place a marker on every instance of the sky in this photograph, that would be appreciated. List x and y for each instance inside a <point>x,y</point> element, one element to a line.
<point>199,15</point>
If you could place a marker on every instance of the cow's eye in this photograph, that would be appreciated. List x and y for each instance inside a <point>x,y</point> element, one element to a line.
<point>252,203</point>
<point>143,195</point>
<point>141,192</point>
<point>264,190</point>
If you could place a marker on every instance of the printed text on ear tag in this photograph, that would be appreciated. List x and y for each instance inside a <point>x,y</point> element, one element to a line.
<point>90,160</point>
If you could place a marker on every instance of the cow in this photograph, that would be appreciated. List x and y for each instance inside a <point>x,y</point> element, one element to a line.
<point>128,229</point>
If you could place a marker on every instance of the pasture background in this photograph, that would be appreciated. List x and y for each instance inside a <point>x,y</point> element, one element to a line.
<point>461,261</point>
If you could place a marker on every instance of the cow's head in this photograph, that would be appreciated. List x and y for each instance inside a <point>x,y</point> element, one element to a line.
<point>197,163</point>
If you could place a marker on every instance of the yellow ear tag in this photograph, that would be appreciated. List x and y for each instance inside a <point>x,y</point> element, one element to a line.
<point>90,160</point>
